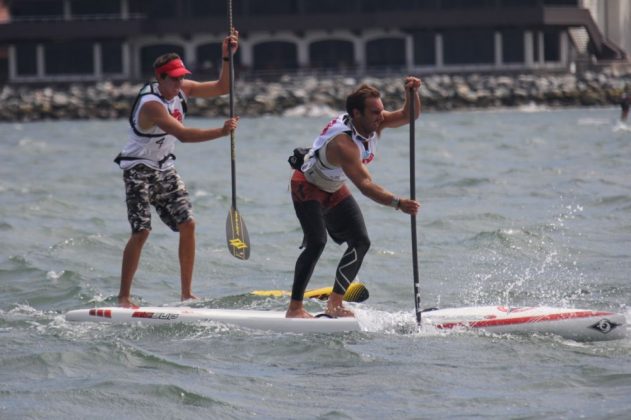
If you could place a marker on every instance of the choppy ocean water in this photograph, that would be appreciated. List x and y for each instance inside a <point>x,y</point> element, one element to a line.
<point>520,207</point>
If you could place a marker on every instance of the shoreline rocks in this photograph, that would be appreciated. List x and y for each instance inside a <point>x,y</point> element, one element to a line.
<point>314,96</point>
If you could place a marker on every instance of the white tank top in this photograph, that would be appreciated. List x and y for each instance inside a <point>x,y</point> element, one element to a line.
<point>152,147</point>
<point>319,171</point>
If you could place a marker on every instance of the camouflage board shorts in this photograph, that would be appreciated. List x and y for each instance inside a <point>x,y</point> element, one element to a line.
<point>165,190</point>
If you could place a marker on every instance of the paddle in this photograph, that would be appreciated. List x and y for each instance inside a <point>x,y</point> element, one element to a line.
<point>236,232</point>
<point>356,292</point>
<point>417,293</point>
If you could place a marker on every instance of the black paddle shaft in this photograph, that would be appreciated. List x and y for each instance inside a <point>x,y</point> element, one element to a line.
<point>233,152</point>
<point>417,293</point>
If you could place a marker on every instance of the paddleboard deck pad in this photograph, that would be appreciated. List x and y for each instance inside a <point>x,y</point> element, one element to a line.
<point>575,324</point>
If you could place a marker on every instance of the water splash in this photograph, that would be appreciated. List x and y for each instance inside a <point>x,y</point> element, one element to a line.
<point>528,266</point>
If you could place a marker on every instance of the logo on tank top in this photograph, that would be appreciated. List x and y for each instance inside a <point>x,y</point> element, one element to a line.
<point>177,115</point>
<point>329,125</point>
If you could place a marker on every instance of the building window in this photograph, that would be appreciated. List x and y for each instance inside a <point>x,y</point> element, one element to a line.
<point>424,49</point>
<point>154,8</point>
<point>518,3</point>
<point>112,57</point>
<point>331,54</point>
<point>551,45</point>
<point>385,52</point>
<point>26,55</point>
<point>372,6</point>
<point>512,46</point>
<point>94,8</point>
<point>275,55</point>
<point>469,47</point>
<point>209,60</point>
<point>573,3</point>
<point>208,8</point>
<point>427,4</point>
<point>276,7</point>
<point>70,57</point>
<point>149,54</point>
<point>4,65</point>
<point>39,8</point>
<point>329,6</point>
<point>467,4</point>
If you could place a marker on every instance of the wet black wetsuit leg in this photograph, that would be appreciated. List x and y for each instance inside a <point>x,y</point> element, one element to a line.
<point>345,223</point>
<point>311,217</point>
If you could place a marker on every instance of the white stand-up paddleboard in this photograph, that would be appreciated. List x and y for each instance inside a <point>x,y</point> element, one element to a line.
<point>260,320</point>
<point>575,324</point>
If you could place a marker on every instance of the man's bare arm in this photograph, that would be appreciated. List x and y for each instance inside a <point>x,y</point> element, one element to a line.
<point>220,86</point>
<point>393,119</point>
<point>342,151</point>
<point>154,113</point>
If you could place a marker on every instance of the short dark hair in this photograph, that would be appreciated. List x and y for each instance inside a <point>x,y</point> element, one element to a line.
<point>162,60</point>
<point>357,99</point>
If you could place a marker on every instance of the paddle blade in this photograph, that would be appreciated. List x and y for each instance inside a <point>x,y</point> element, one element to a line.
<point>357,292</point>
<point>237,235</point>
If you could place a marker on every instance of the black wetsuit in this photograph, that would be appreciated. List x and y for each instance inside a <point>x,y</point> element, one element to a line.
<point>338,214</point>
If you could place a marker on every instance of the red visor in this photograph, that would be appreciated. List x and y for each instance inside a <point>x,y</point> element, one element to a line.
<point>174,68</point>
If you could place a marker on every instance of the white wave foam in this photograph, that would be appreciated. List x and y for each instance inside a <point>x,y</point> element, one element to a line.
<point>397,323</point>
<point>620,126</point>
<point>310,111</point>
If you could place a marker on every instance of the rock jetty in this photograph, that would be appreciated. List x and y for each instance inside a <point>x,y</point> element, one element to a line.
<point>310,95</point>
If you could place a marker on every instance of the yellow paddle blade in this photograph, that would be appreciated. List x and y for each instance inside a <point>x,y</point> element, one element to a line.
<point>357,292</point>
<point>237,236</point>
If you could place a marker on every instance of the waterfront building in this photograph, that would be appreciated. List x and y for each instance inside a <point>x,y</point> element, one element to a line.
<point>87,40</point>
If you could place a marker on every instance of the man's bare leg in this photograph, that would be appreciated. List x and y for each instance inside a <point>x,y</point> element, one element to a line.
<point>296,310</point>
<point>186,253</point>
<point>335,308</point>
<point>131,259</point>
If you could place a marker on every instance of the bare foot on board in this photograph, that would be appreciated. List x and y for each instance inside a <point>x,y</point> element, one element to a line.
<point>296,310</point>
<point>125,302</point>
<point>299,313</point>
<point>339,312</point>
<point>335,309</point>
